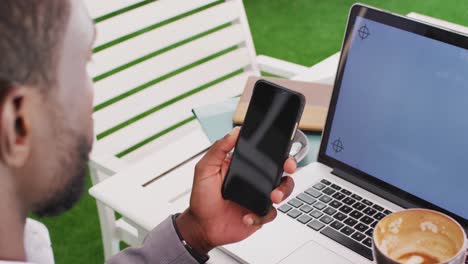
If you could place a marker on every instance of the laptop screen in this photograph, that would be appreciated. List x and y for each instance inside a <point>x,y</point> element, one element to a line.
<point>401,113</point>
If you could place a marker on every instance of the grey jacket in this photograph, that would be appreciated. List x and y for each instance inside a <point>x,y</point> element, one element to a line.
<point>161,246</point>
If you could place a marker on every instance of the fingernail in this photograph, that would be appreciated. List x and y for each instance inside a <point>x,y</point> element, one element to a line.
<point>250,221</point>
<point>233,130</point>
<point>280,196</point>
<point>229,134</point>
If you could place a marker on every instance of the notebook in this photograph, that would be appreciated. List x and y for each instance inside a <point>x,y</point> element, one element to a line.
<point>317,99</point>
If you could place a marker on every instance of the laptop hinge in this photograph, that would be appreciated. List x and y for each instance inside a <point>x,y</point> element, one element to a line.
<point>377,190</point>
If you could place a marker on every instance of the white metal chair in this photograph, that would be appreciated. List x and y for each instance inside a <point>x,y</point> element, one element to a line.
<point>153,62</point>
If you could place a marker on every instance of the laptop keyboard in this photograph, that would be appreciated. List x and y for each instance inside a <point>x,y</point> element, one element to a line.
<point>337,213</point>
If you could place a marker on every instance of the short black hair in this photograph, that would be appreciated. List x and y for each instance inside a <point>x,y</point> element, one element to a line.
<point>31,36</point>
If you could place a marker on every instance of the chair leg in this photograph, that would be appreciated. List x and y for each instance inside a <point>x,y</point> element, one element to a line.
<point>107,220</point>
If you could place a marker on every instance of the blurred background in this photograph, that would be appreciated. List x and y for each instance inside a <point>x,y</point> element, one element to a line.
<point>300,31</point>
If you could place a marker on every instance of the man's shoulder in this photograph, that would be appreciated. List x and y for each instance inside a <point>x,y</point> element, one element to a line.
<point>37,242</point>
<point>35,229</point>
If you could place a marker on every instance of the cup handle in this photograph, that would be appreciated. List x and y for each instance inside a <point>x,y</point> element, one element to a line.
<point>300,146</point>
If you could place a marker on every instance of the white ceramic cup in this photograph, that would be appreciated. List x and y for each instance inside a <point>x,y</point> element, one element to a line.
<point>300,146</point>
<point>419,236</point>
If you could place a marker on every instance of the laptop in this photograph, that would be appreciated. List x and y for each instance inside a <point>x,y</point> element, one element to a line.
<point>396,136</point>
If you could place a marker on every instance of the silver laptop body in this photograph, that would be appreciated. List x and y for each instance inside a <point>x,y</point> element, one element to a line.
<point>396,137</point>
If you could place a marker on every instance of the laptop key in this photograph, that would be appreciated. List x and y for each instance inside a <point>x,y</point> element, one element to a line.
<point>335,204</point>
<point>304,219</point>
<point>346,192</point>
<point>367,202</point>
<point>367,220</point>
<point>361,227</point>
<point>329,211</point>
<point>369,211</point>
<point>370,232</point>
<point>338,196</point>
<point>345,209</point>
<point>284,208</point>
<point>387,212</point>
<point>337,225</point>
<point>347,230</point>
<point>294,213</point>
<point>359,206</point>
<point>316,214</point>
<point>356,197</point>
<point>373,224</point>
<point>313,192</point>
<point>379,216</point>
<point>348,201</point>
<point>295,202</point>
<point>348,242</point>
<point>328,191</point>
<point>319,186</point>
<point>325,182</point>
<point>306,208</point>
<point>316,225</point>
<point>356,214</point>
<point>319,205</point>
<point>306,198</point>
<point>325,199</point>
<point>350,221</point>
<point>336,187</point>
<point>377,207</point>
<point>367,242</point>
<point>358,236</point>
<point>340,216</point>
<point>326,219</point>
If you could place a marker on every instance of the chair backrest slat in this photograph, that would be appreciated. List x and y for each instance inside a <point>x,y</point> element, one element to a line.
<point>122,140</point>
<point>143,17</point>
<point>154,61</point>
<point>99,8</point>
<point>162,37</point>
<point>170,61</point>
<point>171,89</point>
<point>175,136</point>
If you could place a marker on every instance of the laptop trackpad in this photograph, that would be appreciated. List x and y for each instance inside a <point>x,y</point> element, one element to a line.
<point>312,252</point>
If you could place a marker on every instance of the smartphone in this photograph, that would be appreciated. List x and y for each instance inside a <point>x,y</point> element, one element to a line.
<point>263,146</point>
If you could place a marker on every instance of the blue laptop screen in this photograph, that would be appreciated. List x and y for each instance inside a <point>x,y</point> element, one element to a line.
<point>402,113</point>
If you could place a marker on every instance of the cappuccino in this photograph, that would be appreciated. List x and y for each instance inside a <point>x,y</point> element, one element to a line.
<point>418,236</point>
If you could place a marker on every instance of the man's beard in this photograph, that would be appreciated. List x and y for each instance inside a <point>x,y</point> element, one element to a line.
<point>66,197</point>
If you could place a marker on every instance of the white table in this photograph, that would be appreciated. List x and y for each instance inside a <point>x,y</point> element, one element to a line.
<point>322,72</point>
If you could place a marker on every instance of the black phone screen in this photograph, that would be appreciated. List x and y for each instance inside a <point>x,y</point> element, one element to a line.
<point>263,146</point>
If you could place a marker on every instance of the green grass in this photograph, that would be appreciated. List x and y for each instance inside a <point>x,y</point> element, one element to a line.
<point>300,31</point>
<point>307,31</point>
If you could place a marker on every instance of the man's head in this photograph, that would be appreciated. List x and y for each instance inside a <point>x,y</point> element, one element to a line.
<point>45,102</point>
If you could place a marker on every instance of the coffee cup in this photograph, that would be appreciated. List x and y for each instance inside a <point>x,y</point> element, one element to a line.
<point>419,236</point>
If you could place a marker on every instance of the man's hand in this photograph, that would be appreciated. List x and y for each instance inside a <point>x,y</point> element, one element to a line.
<point>211,221</point>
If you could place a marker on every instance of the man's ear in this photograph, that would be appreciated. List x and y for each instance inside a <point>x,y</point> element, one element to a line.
<point>14,128</point>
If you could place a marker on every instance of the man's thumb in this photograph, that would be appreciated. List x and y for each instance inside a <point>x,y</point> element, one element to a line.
<point>217,153</point>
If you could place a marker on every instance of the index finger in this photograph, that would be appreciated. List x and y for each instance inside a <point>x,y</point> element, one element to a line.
<point>283,191</point>
<point>290,165</point>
